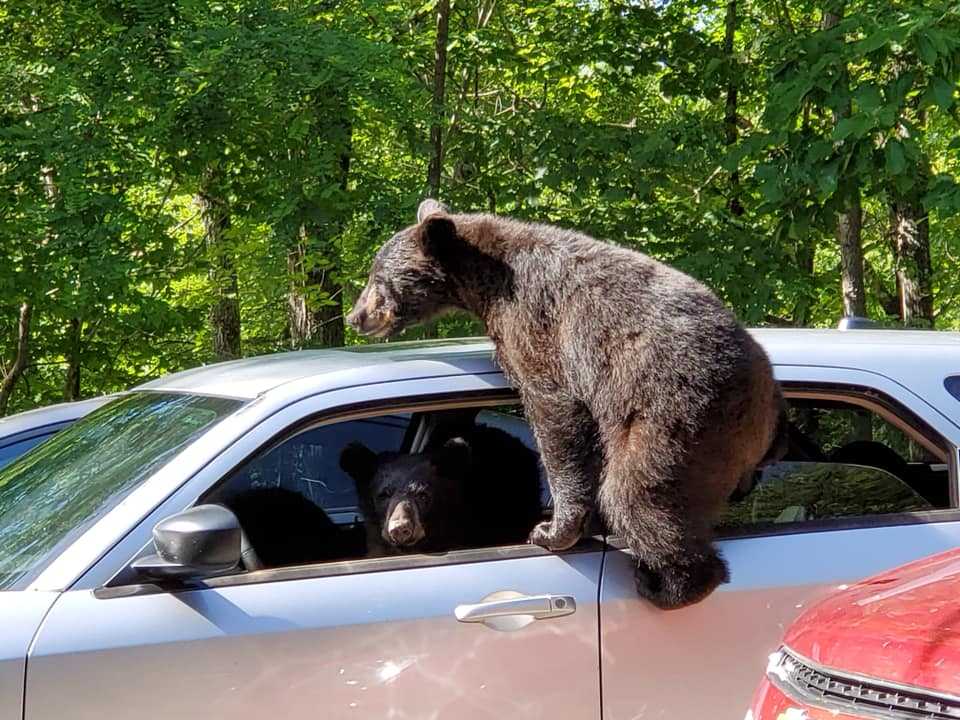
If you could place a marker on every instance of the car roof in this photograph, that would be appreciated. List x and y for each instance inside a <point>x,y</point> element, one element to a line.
<point>254,376</point>
<point>888,352</point>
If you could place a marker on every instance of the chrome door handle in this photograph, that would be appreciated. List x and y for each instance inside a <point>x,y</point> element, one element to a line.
<point>513,607</point>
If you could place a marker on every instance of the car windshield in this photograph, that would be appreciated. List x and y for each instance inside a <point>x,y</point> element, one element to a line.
<point>50,495</point>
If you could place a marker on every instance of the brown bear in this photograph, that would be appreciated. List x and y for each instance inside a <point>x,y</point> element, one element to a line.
<point>449,496</point>
<point>646,396</point>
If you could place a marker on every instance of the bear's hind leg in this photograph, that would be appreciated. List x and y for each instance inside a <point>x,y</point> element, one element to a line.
<point>570,452</point>
<point>642,502</point>
<point>681,581</point>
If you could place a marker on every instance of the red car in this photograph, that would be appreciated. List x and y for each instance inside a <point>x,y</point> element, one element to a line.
<point>887,647</point>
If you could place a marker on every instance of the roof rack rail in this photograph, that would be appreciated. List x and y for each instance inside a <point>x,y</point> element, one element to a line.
<point>855,322</point>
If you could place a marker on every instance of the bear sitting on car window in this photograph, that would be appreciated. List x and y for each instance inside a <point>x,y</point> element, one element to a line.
<point>649,401</point>
<point>480,487</point>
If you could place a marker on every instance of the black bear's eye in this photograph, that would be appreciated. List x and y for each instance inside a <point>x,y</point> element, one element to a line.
<point>384,494</point>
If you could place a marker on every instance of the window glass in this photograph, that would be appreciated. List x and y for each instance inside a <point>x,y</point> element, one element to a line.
<point>953,385</point>
<point>298,505</point>
<point>791,492</point>
<point>309,464</point>
<point>12,451</point>
<point>53,493</point>
<point>843,461</point>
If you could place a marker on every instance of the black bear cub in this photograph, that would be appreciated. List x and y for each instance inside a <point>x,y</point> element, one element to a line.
<point>648,399</point>
<point>286,528</point>
<point>480,487</point>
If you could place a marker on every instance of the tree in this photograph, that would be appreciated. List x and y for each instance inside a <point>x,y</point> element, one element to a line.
<point>225,308</point>
<point>439,97</point>
<point>16,369</point>
<point>850,217</point>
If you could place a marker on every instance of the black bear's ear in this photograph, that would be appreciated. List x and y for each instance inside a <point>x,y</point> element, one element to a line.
<point>430,207</point>
<point>437,231</point>
<point>437,235</point>
<point>454,456</point>
<point>359,462</point>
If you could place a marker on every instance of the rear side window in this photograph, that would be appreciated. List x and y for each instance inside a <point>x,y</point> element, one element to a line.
<point>843,461</point>
<point>790,492</point>
<point>953,385</point>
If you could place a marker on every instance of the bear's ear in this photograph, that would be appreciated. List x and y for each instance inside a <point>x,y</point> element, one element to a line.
<point>454,456</point>
<point>430,207</point>
<point>359,462</point>
<point>437,235</point>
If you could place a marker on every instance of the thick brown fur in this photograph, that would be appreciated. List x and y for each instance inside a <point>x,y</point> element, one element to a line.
<point>647,397</point>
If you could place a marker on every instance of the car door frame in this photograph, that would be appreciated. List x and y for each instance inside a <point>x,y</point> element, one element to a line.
<point>106,581</point>
<point>756,558</point>
<point>327,407</point>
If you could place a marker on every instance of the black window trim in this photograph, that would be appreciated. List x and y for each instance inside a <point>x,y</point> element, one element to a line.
<point>493,396</point>
<point>38,431</point>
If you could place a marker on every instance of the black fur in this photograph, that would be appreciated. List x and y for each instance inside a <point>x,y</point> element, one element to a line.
<point>647,398</point>
<point>475,488</point>
<point>286,528</point>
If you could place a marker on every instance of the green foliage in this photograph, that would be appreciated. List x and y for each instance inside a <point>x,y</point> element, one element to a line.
<point>314,119</point>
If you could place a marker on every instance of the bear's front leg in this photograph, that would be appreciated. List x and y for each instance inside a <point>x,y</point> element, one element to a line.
<point>570,451</point>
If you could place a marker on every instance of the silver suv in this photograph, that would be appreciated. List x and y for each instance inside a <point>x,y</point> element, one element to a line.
<point>128,592</point>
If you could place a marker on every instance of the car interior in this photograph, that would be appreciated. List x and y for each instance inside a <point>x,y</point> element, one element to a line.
<point>843,461</point>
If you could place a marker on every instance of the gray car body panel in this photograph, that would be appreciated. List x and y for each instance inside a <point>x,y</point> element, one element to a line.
<point>299,647</point>
<point>20,615</point>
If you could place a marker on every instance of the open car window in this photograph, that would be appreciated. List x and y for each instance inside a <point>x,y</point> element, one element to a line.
<point>790,492</point>
<point>843,461</point>
<point>299,505</point>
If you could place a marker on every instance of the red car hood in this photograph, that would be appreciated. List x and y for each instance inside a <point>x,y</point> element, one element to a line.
<point>901,626</point>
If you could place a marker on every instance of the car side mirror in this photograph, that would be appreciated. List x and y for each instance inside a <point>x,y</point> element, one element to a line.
<point>202,541</point>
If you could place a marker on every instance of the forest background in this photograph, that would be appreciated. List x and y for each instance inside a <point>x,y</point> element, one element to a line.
<point>186,181</point>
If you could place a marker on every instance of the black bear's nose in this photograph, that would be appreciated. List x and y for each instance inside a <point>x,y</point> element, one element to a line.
<point>403,525</point>
<point>403,533</point>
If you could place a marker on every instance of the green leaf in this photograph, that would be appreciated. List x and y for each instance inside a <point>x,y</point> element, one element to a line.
<point>875,41</point>
<point>856,126</point>
<point>896,162</point>
<point>868,98</point>
<point>942,92</point>
<point>928,53</point>
<point>827,179</point>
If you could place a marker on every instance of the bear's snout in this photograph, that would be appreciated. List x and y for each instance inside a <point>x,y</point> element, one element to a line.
<point>403,526</point>
<point>371,315</point>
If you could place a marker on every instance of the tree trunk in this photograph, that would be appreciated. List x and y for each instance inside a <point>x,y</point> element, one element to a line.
<point>315,298</point>
<point>71,386</point>
<point>849,226</point>
<point>910,238</point>
<point>16,370</point>
<point>806,254</point>
<point>224,314</point>
<point>910,232</point>
<point>730,111</point>
<point>435,171</point>
<point>850,219</point>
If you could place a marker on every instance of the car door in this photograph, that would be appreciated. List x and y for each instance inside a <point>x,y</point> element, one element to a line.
<point>705,661</point>
<point>358,638</point>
